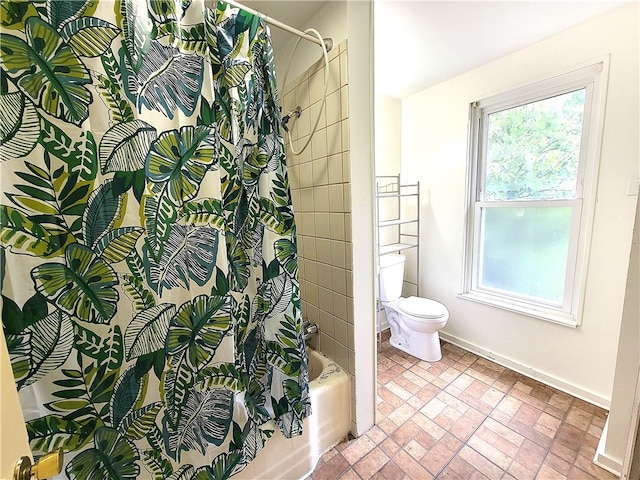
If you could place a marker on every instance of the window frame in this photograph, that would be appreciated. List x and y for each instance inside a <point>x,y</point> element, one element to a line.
<point>593,78</point>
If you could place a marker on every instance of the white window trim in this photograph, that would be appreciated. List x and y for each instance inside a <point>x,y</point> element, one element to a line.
<point>595,73</point>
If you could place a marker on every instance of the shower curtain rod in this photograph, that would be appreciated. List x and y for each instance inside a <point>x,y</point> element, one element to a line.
<point>327,43</point>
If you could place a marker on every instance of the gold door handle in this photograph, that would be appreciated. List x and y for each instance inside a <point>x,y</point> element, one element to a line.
<point>47,466</point>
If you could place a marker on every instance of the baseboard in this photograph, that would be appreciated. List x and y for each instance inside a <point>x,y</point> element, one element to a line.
<point>547,379</point>
<point>602,459</point>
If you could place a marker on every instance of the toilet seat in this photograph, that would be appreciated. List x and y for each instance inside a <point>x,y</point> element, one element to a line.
<point>422,308</point>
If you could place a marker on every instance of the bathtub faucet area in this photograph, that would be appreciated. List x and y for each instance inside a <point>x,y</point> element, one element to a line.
<point>309,329</point>
<point>330,420</point>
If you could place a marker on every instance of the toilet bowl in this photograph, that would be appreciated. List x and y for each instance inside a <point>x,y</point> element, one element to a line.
<point>414,321</point>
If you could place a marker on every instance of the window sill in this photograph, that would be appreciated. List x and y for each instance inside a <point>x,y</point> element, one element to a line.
<point>547,314</point>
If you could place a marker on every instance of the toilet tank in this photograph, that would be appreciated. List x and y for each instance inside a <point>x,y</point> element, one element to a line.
<point>391,275</point>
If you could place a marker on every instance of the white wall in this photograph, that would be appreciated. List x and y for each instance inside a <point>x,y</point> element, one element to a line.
<point>360,41</point>
<point>352,21</point>
<point>388,134</point>
<point>434,143</point>
<point>613,444</point>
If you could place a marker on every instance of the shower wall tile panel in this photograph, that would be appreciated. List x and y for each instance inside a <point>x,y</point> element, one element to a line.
<point>321,191</point>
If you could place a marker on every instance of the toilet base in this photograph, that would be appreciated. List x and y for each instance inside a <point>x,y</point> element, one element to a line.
<point>425,346</point>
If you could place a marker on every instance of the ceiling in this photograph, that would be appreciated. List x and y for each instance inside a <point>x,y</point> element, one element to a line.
<point>421,43</point>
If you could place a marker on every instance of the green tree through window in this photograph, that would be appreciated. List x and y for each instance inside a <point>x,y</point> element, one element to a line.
<point>533,150</point>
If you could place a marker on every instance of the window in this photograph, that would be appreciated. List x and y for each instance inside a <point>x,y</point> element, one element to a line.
<point>532,164</point>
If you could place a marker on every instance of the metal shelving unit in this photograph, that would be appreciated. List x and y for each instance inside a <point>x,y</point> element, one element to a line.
<point>395,215</point>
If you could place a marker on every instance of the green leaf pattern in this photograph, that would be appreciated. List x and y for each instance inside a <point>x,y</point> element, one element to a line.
<point>113,457</point>
<point>47,71</point>
<point>84,287</point>
<point>147,241</point>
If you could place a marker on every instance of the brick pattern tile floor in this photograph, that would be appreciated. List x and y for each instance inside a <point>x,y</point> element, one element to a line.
<point>465,417</point>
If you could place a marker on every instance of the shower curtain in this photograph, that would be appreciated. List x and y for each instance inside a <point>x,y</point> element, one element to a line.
<point>150,299</point>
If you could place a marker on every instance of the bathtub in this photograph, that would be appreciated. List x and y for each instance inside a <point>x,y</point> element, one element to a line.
<point>295,458</point>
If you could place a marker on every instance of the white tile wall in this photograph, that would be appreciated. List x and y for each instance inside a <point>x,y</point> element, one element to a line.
<point>334,168</point>
<point>321,192</point>
<point>320,171</point>
<point>317,114</point>
<point>321,195</point>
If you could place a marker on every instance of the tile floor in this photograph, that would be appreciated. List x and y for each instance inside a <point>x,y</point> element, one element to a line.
<point>467,418</point>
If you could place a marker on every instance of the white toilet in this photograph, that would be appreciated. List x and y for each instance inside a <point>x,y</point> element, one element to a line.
<point>414,321</point>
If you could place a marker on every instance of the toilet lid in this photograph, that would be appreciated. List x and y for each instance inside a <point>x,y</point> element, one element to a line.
<point>422,307</point>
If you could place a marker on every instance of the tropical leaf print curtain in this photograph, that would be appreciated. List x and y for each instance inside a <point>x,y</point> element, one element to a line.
<point>150,299</point>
